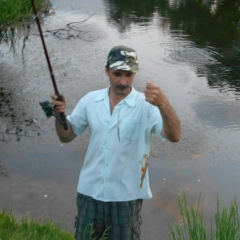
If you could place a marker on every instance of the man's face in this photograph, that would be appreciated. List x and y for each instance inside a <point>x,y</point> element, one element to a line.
<point>120,81</point>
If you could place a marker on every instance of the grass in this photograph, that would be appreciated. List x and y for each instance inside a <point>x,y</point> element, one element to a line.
<point>42,229</point>
<point>26,228</point>
<point>227,222</point>
<point>194,227</point>
<point>15,18</point>
<point>15,11</point>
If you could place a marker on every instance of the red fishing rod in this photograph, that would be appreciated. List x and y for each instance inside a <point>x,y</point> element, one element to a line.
<point>59,98</point>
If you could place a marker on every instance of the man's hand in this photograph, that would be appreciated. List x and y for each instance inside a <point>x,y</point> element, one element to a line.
<point>59,105</point>
<point>171,122</point>
<point>154,95</point>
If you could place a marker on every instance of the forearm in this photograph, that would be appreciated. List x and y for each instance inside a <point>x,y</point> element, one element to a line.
<point>171,122</point>
<point>64,135</point>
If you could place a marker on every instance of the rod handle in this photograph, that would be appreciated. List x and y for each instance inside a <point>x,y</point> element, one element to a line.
<point>64,120</point>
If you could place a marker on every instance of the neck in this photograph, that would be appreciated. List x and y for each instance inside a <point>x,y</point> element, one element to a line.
<point>114,98</point>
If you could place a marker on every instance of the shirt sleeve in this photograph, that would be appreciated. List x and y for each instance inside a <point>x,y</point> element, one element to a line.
<point>156,122</point>
<point>78,119</point>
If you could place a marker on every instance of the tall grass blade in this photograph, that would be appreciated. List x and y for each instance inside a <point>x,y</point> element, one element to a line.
<point>227,225</point>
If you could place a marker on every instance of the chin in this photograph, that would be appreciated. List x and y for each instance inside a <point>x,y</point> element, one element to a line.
<point>122,92</point>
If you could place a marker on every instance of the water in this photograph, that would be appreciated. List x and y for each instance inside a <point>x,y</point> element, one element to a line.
<point>184,46</point>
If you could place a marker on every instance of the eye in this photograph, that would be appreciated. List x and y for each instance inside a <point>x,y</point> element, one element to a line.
<point>116,74</point>
<point>129,74</point>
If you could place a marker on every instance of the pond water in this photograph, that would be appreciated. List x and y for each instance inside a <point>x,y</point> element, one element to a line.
<point>189,48</point>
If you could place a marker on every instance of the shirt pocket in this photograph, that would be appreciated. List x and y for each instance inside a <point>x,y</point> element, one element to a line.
<point>129,128</point>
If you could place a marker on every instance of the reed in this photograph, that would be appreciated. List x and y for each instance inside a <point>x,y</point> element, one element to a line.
<point>227,222</point>
<point>194,226</point>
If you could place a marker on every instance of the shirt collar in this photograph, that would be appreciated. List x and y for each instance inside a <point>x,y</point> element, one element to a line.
<point>130,99</point>
<point>102,95</point>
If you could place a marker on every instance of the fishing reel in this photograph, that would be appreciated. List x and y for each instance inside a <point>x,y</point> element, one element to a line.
<point>47,108</point>
<point>49,111</point>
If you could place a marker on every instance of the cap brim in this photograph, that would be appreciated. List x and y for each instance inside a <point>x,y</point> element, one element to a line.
<point>120,65</point>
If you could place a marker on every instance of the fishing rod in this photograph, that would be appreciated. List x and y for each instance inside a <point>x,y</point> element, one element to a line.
<point>59,98</point>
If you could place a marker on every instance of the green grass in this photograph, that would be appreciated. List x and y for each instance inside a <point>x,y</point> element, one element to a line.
<point>227,222</point>
<point>27,228</point>
<point>42,229</point>
<point>15,18</point>
<point>16,11</point>
<point>194,226</point>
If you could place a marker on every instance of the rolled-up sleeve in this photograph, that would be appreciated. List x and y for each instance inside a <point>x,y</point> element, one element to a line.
<point>78,119</point>
<point>156,122</point>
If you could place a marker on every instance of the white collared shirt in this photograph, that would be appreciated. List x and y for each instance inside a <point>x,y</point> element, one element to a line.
<point>118,142</point>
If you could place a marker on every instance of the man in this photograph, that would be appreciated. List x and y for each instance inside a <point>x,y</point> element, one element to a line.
<point>114,178</point>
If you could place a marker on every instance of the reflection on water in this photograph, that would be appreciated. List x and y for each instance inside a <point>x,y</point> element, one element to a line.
<point>75,30</point>
<point>13,35</point>
<point>14,124</point>
<point>6,108</point>
<point>218,113</point>
<point>206,33</point>
<point>3,170</point>
<point>211,27</point>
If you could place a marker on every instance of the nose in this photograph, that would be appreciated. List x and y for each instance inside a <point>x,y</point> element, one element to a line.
<point>123,79</point>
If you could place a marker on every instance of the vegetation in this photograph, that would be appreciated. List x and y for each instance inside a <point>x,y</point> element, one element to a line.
<point>26,228</point>
<point>193,227</point>
<point>15,11</point>
<point>42,229</point>
<point>227,226</point>
<point>15,17</point>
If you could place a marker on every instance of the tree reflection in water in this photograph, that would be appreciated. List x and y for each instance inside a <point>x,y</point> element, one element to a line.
<point>208,24</point>
<point>3,171</point>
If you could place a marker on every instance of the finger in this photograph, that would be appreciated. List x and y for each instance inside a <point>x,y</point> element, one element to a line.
<point>149,84</point>
<point>60,107</point>
<point>60,104</point>
<point>53,96</point>
<point>61,98</point>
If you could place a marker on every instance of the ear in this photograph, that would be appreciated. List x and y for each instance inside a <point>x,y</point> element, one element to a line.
<point>107,71</point>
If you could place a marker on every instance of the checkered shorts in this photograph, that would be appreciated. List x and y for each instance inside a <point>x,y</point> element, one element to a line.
<point>121,220</point>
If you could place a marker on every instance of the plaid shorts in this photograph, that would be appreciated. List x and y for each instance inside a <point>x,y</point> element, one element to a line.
<point>119,220</point>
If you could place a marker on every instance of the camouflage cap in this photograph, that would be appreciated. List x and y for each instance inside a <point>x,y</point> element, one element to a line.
<point>123,58</point>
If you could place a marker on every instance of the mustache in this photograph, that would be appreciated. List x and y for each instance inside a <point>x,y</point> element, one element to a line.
<point>121,86</point>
